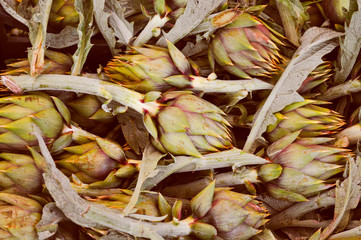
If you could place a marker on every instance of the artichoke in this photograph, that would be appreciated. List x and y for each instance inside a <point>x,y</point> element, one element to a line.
<point>93,162</point>
<point>321,74</point>
<point>227,214</point>
<point>18,217</point>
<point>245,47</point>
<point>14,169</point>
<point>307,116</point>
<point>146,205</point>
<point>87,112</point>
<point>187,125</point>
<point>300,166</point>
<point>63,13</point>
<point>149,68</point>
<point>19,115</point>
<point>54,63</point>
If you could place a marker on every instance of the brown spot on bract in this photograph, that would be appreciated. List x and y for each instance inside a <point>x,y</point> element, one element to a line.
<point>225,18</point>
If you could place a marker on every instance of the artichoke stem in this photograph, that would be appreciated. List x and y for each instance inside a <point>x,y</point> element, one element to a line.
<point>110,91</point>
<point>148,32</point>
<point>341,90</point>
<point>227,179</point>
<point>226,86</point>
<point>297,210</point>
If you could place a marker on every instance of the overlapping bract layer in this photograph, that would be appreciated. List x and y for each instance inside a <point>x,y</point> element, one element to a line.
<point>54,63</point>
<point>236,216</point>
<point>93,161</point>
<point>19,115</point>
<point>227,214</point>
<point>18,217</point>
<point>307,116</point>
<point>301,166</point>
<point>88,113</point>
<point>321,74</point>
<point>245,47</point>
<point>62,14</point>
<point>188,125</point>
<point>19,174</point>
<point>150,68</point>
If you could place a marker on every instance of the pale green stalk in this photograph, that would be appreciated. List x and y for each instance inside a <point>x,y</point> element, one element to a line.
<point>227,86</point>
<point>110,91</point>
<point>227,179</point>
<point>227,158</point>
<point>156,22</point>
<point>297,210</point>
<point>341,90</point>
<point>354,233</point>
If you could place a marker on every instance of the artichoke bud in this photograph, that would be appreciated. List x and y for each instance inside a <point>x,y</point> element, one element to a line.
<point>302,166</point>
<point>93,160</point>
<point>145,205</point>
<point>54,63</point>
<point>88,113</point>
<point>187,125</point>
<point>235,215</point>
<point>307,116</point>
<point>19,113</point>
<point>243,45</point>
<point>14,168</point>
<point>151,68</point>
<point>317,78</point>
<point>18,217</point>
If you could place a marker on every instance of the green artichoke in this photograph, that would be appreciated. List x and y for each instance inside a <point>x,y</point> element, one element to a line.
<point>18,217</point>
<point>94,162</point>
<point>307,116</point>
<point>150,68</point>
<point>14,168</point>
<point>54,63</point>
<point>301,166</point>
<point>19,115</point>
<point>187,125</point>
<point>245,47</point>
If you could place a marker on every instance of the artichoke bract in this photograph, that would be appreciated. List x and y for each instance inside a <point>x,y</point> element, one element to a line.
<point>187,125</point>
<point>18,217</point>
<point>301,166</point>
<point>245,47</point>
<point>14,168</point>
<point>307,116</point>
<point>19,115</point>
